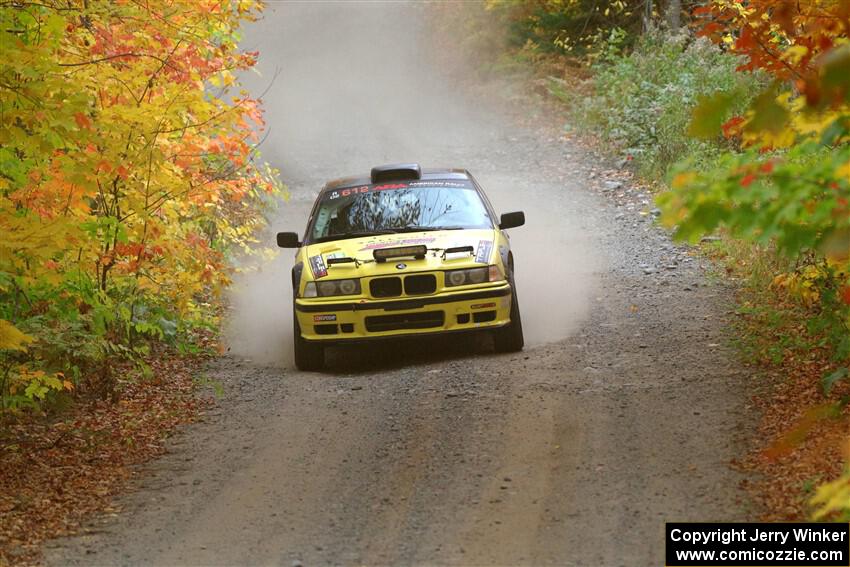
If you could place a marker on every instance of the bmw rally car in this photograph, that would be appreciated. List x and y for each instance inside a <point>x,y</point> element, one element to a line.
<point>403,252</point>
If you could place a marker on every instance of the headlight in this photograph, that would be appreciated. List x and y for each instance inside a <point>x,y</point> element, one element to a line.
<point>330,288</point>
<point>310,289</point>
<point>473,276</point>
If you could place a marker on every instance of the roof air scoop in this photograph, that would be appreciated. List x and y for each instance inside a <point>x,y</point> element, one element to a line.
<point>396,172</point>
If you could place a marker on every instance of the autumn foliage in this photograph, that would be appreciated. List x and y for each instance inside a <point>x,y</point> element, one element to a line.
<point>791,184</point>
<point>789,187</point>
<point>128,175</point>
<point>785,37</point>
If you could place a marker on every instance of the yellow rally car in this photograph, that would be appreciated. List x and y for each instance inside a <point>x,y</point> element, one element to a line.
<point>402,252</point>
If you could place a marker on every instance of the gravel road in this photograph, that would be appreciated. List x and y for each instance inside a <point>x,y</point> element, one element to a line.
<point>623,413</point>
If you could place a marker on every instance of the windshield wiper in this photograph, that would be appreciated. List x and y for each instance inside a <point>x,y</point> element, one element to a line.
<point>354,234</point>
<point>416,228</point>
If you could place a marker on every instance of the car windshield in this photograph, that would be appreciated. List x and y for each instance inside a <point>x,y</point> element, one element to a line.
<point>398,207</point>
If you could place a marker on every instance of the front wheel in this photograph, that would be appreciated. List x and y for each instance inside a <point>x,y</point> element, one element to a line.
<point>308,356</point>
<point>509,338</point>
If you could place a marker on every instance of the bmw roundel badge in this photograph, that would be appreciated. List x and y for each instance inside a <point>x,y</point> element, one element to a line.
<point>401,266</point>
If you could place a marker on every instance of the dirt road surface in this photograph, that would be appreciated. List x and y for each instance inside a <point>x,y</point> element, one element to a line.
<point>623,413</point>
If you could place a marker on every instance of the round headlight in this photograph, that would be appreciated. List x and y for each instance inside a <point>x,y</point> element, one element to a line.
<point>327,288</point>
<point>478,276</point>
<point>457,277</point>
<point>347,286</point>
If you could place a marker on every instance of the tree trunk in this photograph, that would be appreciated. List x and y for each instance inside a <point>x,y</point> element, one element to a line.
<point>674,14</point>
<point>647,15</point>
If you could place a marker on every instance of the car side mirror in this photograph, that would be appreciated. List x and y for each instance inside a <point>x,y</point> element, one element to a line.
<point>512,220</point>
<point>288,240</point>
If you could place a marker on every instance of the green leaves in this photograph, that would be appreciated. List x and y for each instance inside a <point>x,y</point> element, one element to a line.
<point>709,115</point>
<point>790,199</point>
<point>831,379</point>
<point>767,114</point>
<point>834,78</point>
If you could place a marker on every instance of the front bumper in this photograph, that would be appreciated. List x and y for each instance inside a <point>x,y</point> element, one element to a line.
<point>344,321</point>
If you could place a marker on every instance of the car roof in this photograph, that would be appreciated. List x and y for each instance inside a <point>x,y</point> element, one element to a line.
<point>430,174</point>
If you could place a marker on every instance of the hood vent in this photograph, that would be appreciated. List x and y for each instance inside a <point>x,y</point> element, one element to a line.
<point>396,172</point>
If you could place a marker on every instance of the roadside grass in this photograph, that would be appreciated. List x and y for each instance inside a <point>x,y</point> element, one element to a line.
<point>641,100</point>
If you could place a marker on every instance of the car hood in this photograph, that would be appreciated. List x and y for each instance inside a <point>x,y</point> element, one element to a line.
<point>482,241</point>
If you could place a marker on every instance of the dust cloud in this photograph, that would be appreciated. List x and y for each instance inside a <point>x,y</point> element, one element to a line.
<point>349,85</point>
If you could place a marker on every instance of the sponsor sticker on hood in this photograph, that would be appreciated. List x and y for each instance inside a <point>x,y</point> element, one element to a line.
<point>317,265</point>
<point>482,255</point>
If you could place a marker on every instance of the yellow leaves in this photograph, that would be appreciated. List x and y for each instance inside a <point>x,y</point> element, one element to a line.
<point>37,384</point>
<point>833,498</point>
<point>62,383</point>
<point>772,140</point>
<point>795,53</point>
<point>802,284</point>
<point>11,338</point>
<point>782,120</point>
<point>33,238</point>
<point>123,180</point>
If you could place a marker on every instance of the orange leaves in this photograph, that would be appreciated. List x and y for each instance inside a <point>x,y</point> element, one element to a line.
<point>801,43</point>
<point>82,121</point>
<point>746,40</point>
<point>52,193</point>
<point>844,293</point>
<point>732,127</point>
<point>751,173</point>
<point>136,250</point>
<point>764,31</point>
<point>783,14</point>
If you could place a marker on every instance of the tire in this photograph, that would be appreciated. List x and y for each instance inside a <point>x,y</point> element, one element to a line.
<point>309,357</point>
<point>509,338</point>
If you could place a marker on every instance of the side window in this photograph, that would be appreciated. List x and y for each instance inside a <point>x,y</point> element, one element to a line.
<point>323,217</point>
